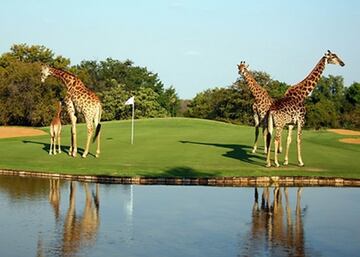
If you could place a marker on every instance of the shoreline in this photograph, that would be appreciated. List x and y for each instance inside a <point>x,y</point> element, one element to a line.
<point>298,181</point>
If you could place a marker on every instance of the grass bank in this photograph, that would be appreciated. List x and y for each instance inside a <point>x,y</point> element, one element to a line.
<point>180,147</point>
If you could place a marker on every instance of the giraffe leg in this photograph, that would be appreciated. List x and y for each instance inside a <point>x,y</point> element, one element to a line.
<point>276,143</point>
<point>270,125</point>
<point>268,143</point>
<point>51,139</point>
<point>288,142</point>
<point>54,143</point>
<point>299,134</point>
<point>98,146</point>
<point>265,132</point>
<point>280,145</point>
<point>73,147</point>
<point>90,130</point>
<point>59,141</point>
<point>97,127</point>
<point>51,143</point>
<point>257,123</point>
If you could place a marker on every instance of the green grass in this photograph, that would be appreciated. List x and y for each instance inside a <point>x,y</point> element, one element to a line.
<point>180,147</point>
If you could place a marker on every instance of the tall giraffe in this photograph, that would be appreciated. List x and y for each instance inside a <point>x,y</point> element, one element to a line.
<point>291,109</point>
<point>83,100</point>
<point>55,131</point>
<point>261,105</point>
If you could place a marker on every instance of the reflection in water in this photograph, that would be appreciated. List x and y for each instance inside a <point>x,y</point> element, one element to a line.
<point>40,217</point>
<point>274,230</point>
<point>78,230</point>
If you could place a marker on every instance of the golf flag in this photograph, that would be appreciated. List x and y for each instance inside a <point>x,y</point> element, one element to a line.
<point>131,101</point>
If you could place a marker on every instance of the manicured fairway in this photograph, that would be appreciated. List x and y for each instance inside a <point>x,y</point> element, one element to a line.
<point>180,147</point>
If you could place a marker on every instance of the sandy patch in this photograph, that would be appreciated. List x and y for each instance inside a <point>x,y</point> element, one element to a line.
<point>345,132</point>
<point>350,140</point>
<point>6,132</point>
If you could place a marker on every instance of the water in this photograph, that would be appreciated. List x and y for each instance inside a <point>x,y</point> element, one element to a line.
<point>40,217</point>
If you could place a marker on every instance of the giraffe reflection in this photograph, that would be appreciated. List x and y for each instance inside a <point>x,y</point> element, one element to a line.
<point>54,197</point>
<point>273,229</point>
<point>81,230</point>
<point>78,230</point>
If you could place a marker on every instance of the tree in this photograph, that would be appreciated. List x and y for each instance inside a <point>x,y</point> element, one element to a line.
<point>326,104</point>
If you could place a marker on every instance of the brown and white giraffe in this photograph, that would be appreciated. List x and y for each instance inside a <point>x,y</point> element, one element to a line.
<point>81,99</point>
<point>261,105</point>
<point>290,110</point>
<point>55,131</point>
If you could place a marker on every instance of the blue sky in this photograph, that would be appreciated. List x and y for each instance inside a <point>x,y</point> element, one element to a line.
<point>193,45</point>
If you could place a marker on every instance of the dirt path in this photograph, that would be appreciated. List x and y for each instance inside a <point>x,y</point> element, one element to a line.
<point>347,132</point>
<point>6,132</point>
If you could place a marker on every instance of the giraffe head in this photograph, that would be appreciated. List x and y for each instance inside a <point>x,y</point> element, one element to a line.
<point>242,67</point>
<point>45,72</point>
<point>333,59</point>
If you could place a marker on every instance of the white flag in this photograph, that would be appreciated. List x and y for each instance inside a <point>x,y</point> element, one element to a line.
<point>130,101</point>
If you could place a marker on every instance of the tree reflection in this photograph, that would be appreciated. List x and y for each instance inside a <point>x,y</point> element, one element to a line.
<point>273,228</point>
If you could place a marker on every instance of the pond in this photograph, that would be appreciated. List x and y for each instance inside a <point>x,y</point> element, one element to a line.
<point>41,217</point>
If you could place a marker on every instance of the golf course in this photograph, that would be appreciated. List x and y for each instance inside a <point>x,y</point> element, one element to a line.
<point>180,147</point>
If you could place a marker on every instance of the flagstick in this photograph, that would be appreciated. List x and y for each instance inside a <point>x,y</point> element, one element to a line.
<point>132,125</point>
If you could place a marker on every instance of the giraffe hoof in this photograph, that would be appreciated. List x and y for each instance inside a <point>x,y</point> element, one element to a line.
<point>286,163</point>
<point>253,151</point>
<point>277,164</point>
<point>84,155</point>
<point>268,165</point>
<point>50,153</point>
<point>97,155</point>
<point>301,164</point>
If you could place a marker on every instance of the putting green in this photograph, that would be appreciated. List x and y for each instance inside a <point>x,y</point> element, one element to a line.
<point>180,147</point>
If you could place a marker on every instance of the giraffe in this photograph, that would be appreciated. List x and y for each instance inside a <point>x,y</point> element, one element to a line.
<point>290,110</point>
<point>261,106</point>
<point>55,131</point>
<point>83,100</point>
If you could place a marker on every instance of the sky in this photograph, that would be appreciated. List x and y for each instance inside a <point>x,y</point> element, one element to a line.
<point>193,45</point>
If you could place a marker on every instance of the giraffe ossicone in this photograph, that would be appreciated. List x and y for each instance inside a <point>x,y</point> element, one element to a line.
<point>290,110</point>
<point>262,103</point>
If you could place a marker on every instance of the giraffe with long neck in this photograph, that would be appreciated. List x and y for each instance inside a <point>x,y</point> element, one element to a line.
<point>81,99</point>
<point>55,131</point>
<point>290,110</point>
<point>262,103</point>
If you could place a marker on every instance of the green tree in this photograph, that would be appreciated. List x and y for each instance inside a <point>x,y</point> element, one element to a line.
<point>326,104</point>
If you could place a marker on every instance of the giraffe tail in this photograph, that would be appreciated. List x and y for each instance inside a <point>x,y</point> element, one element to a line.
<point>98,126</point>
<point>97,131</point>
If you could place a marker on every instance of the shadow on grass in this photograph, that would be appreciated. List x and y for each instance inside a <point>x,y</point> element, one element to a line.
<point>187,172</point>
<point>238,152</point>
<point>46,147</point>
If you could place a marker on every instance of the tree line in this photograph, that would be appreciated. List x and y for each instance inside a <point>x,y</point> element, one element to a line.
<point>24,100</point>
<point>330,105</point>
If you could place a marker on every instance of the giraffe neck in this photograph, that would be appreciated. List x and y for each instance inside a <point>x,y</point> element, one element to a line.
<point>316,73</point>
<point>309,83</point>
<point>257,91</point>
<point>58,110</point>
<point>66,77</point>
